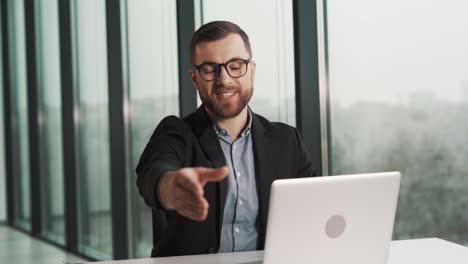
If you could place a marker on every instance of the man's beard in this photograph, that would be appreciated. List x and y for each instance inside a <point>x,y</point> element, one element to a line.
<point>221,111</point>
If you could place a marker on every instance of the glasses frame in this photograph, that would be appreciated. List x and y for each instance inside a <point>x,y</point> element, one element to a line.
<point>217,67</point>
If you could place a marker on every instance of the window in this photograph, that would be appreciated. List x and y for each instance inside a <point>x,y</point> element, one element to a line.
<point>153,94</point>
<point>399,101</point>
<point>271,38</point>
<point>2,136</point>
<point>19,115</point>
<point>50,121</point>
<point>92,128</point>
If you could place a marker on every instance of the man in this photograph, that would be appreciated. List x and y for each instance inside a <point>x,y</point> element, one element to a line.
<point>210,172</point>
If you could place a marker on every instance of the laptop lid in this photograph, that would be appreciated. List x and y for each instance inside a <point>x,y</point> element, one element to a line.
<point>332,220</point>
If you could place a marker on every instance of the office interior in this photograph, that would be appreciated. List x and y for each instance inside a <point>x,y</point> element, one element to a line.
<point>372,86</point>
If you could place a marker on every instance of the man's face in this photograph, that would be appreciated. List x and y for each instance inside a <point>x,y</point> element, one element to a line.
<point>224,97</point>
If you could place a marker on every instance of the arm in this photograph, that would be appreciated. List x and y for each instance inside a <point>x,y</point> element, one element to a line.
<point>163,153</point>
<point>162,179</point>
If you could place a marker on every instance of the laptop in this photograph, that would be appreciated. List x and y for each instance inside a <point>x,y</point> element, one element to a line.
<point>332,220</point>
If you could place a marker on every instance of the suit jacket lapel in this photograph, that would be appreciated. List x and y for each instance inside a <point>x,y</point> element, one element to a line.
<point>262,159</point>
<point>209,142</point>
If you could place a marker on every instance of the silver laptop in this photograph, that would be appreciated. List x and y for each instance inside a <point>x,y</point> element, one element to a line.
<point>332,220</point>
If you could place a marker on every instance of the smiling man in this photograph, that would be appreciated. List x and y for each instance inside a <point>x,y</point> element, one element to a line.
<point>210,172</point>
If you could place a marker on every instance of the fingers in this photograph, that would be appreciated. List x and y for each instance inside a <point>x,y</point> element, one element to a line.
<point>187,193</point>
<point>188,197</point>
<point>191,185</point>
<point>197,212</point>
<point>192,207</point>
<point>211,175</point>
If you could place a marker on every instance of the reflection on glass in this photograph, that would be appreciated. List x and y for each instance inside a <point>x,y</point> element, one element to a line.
<point>50,121</point>
<point>271,38</point>
<point>19,114</point>
<point>399,101</point>
<point>92,118</point>
<point>153,94</point>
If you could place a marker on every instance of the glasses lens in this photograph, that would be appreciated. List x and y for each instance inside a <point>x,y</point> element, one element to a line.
<point>237,68</point>
<point>208,71</point>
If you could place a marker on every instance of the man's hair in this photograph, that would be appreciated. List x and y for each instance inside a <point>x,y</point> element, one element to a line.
<point>217,30</point>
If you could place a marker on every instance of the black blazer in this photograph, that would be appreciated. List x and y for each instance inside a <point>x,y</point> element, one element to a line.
<point>192,142</point>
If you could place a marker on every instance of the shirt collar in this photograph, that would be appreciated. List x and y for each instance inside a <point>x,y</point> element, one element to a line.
<point>221,132</point>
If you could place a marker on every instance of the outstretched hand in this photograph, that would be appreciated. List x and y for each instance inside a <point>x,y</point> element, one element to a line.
<point>182,190</point>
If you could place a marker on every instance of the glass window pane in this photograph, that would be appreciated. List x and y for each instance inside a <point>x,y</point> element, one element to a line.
<point>272,44</point>
<point>92,119</point>
<point>153,94</point>
<point>19,114</point>
<point>399,101</point>
<point>2,136</point>
<point>50,120</point>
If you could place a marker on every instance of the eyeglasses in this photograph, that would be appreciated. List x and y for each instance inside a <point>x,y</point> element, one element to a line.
<point>210,71</point>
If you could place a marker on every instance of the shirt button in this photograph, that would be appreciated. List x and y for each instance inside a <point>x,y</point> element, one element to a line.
<point>241,202</point>
<point>236,230</point>
<point>234,147</point>
<point>238,174</point>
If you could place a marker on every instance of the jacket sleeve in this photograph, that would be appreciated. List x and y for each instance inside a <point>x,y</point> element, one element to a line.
<point>304,168</point>
<point>164,152</point>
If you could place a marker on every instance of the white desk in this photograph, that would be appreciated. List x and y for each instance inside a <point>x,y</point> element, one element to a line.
<point>416,251</point>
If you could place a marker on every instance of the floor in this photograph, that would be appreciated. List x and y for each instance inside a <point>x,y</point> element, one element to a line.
<point>17,247</point>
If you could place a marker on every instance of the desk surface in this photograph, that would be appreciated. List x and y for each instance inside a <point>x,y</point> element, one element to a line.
<point>416,251</point>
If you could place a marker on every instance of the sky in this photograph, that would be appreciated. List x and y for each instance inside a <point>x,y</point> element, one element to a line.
<point>391,51</point>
